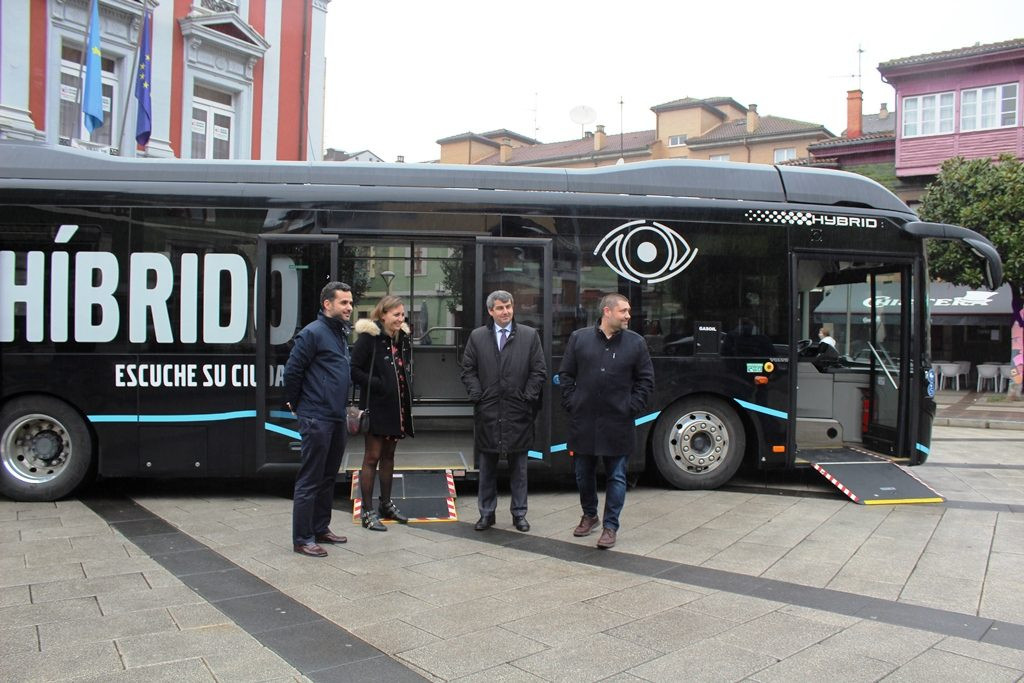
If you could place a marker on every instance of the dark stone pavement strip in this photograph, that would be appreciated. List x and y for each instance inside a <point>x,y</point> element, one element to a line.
<point>943,622</point>
<point>320,649</point>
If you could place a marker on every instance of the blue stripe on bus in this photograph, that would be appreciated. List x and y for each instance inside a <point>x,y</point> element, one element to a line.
<point>647,418</point>
<point>923,449</point>
<point>763,409</point>
<point>200,417</point>
<point>281,430</point>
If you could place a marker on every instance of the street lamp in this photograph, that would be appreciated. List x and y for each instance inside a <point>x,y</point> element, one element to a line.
<point>387,276</point>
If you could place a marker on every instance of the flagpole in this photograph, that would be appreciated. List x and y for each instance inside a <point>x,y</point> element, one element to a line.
<point>135,74</point>
<point>81,72</point>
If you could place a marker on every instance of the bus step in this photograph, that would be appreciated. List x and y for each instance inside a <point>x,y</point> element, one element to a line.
<point>869,479</point>
<point>421,495</point>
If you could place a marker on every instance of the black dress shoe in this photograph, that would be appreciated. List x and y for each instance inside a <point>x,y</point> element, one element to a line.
<point>329,537</point>
<point>310,550</point>
<point>521,524</point>
<point>485,522</point>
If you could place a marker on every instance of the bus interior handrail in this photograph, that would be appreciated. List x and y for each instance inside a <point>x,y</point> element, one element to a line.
<point>881,362</point>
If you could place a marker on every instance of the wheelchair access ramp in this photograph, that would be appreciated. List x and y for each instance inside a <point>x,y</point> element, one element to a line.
<point>868,479</point>
<point>422,496</point>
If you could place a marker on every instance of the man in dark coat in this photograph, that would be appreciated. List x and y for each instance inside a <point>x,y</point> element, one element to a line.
<point>316,380</point>
<point>504,372</point>
<point>606,378</point>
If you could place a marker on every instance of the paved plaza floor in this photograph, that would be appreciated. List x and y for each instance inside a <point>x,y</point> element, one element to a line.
<point>191,581</point>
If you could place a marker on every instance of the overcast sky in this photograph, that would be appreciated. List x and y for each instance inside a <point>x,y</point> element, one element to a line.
<point>401,73</point>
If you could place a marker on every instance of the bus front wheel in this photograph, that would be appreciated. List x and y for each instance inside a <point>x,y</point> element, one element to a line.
<point>698,443</point>
<point>45,449</point>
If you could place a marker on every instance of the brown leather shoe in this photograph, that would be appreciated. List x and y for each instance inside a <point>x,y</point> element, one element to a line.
<point>587,525</point>
<point>607,539</point>
<point>328,537</point>
<point>310,550</point>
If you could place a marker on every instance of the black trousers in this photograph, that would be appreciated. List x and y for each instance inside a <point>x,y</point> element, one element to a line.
<point>323,445</point>
<point>487,492</point>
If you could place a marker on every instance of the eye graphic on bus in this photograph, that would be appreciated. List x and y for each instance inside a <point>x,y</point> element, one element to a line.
<point>642,250</point>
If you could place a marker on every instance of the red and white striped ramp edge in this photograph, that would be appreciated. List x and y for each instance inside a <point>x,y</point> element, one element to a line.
<point>835,482</point>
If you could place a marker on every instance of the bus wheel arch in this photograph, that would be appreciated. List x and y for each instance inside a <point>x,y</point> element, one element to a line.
<point>46,448</point>
<point>698,442</point>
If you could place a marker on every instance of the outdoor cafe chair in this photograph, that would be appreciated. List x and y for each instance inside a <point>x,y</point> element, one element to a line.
<point>988,372</point>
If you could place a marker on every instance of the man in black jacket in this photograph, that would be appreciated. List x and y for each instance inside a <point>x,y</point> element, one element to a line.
<point>316,380</point>
<point>504,372</point>
<point>606,378</point>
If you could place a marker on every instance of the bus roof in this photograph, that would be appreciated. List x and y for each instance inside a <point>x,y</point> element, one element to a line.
<point>668,178</point>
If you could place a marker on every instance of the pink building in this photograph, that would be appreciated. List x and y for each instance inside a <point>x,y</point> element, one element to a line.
<point>964,102</point>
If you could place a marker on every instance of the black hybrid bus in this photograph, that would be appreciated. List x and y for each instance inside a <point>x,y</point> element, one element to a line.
<point>146,306</point>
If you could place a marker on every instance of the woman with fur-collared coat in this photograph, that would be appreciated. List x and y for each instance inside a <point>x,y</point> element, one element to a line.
<point>381,360</point>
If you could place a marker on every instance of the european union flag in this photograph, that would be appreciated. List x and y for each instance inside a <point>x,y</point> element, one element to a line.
<point>144,117</point>
<point>92,95</point>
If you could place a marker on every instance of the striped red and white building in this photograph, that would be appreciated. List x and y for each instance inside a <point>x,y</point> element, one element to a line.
<point>232,79</point>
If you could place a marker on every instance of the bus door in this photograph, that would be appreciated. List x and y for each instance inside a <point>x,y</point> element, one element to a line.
<point>852,389</point>
<point>293,269</point>
<point>522,267</point>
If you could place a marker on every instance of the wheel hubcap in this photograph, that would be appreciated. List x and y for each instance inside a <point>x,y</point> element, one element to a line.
<point>35,448</point>
<point>698,442</point>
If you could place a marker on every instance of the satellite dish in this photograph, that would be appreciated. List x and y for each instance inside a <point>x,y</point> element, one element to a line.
<point>582,114</point>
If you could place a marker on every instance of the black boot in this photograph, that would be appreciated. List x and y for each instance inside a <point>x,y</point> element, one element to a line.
<point>389,510</point>
<point>371,521</point>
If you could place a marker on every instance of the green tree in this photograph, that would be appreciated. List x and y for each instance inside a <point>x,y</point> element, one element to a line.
<point>986,196</point>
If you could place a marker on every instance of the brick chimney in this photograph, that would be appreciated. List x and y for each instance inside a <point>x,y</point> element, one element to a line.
<point>854,106</point>
<point>599,138</point>
<point>883,113</point>
<point>753,119</point>
<point>505,151</point>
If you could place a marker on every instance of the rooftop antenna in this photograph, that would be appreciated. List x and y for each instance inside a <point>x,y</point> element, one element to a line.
<point>536,106</point>
<point>622,158</point>
<point>860,52</point>
<point>582,114</point>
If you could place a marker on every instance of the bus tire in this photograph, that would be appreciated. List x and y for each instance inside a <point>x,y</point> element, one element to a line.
<point>698,443</point>
<point>45,449</point>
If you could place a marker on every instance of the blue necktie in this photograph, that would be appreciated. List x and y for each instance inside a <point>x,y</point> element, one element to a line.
<point>502,339</point>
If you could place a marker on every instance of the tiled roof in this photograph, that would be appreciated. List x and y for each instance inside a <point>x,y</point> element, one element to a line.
<point>959,53</point>
<point>767,126</point>
<point>506,133</point>
<point>873,123</point>
<point>710,103</point>
<point>868,138</point>
<point>574,149</point>
<point>468,135</point>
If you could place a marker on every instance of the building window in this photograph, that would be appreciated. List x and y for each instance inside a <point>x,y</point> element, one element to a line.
<point>785,154</point>
<point>213,115</point>
<point>677,141</point>
<point>991,107</point>
<point>72,122</point>
<point>416,265</point>
<point>719,157</point>
<point>928,115</point>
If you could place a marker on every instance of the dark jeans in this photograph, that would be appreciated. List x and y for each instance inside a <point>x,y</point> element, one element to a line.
<point>487,491</point>
<point>323,445</point>
<point>615,486</point>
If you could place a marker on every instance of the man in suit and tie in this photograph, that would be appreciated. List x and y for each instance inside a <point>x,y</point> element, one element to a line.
<point>504,372</point>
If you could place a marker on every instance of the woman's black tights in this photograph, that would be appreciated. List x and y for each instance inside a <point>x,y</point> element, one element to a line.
<point>379,455</point>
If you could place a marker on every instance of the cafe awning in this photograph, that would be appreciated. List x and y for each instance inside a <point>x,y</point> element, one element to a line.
<point>949,304</point>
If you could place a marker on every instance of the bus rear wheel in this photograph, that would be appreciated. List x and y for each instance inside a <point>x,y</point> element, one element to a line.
<point>45,449</point>
<point>698,443</point>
